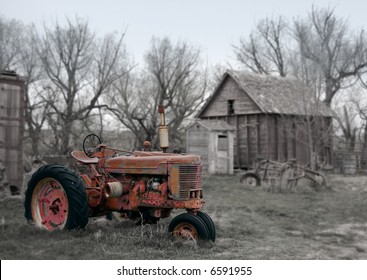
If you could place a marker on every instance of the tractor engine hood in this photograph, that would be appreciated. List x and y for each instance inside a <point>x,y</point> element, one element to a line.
<point>156,163</point>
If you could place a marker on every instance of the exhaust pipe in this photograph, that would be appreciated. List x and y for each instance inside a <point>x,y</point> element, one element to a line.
<point>163,130</point>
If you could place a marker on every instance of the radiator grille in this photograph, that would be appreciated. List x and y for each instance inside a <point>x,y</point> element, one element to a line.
<point>190,179</point>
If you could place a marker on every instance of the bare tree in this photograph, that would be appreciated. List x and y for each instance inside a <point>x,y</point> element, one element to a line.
<point>216,75</point>
<point>80,68</point>
<point>322,51</point>
<point>325,40</point>
<point>362,113</point>
<point>265,50</point>
<point>361,106</point>
<point>18,52</point>
<point>346,124</point>
<point>10,33</point>
<point>36,108</point>
<point>174,78</point>
<point>308,72</point>
<point>132,103</point>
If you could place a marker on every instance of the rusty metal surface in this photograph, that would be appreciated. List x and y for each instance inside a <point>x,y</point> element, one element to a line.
<point>179,184</point>
<point>285,174</point>
<point>147,163</point>
<point>83,158</point>
<point>143,186</point>
<point>183,179</point>
<point>156,182</point>
<point>132,203</point>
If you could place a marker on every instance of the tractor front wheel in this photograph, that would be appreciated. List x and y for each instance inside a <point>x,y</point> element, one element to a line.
<point>56,199</point>
<point>189,226</point>
<point>209,224</point>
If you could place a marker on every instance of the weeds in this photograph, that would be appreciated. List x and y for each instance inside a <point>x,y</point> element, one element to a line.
<point>251,224</point>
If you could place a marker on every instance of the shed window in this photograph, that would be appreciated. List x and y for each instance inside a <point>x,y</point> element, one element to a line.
<point>222,143</point>
<point>230,107</point>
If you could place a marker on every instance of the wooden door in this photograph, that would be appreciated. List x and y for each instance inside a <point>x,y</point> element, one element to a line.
<point>222,154</point>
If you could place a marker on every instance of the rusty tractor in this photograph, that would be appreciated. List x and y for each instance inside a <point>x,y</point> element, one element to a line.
<point>144,186</point>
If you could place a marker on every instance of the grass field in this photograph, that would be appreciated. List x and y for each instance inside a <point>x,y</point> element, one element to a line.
<point>251,224</point>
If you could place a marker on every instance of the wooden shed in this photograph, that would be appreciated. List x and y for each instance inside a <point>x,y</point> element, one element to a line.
<point>275,118</point>
<point>12,94</point>
<point>213,141</point>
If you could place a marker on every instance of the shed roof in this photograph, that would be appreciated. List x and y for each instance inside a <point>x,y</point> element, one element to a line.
<point>212,125</point>
<point>276,95</point>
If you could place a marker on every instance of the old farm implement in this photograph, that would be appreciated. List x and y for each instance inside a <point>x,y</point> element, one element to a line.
<point>287,175</point>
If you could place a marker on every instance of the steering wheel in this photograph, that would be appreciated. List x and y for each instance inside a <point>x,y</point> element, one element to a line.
<point>90,142</point>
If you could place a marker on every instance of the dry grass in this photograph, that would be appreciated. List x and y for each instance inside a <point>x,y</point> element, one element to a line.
<point>251,224</point>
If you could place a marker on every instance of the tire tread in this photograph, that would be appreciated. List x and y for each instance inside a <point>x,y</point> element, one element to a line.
<point>74,188</point>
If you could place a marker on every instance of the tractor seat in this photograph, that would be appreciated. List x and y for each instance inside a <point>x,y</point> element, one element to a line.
<point>82,157</point>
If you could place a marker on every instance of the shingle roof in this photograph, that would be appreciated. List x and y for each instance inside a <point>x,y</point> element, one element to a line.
<point>277,95</point>
<point>214,125</point>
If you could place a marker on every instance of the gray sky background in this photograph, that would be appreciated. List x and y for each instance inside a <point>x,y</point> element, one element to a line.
<point>212,25</point>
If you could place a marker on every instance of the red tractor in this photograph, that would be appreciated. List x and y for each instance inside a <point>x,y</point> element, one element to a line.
<point>141,185</point>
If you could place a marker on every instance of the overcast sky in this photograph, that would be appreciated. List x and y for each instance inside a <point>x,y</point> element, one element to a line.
<point>212,25</point>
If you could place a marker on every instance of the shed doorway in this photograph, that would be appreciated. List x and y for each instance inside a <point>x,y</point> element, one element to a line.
<point>222,165</point>
<point>212,140</point>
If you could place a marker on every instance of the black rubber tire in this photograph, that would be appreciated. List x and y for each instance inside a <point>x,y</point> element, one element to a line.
<point>250,176</point>
<point>194,221</point>
<point>74,188</point>
<point>209,224</point>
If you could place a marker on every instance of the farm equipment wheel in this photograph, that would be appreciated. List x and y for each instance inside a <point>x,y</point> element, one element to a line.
<point>56,199</point>
<point>209,224</point>
<point>90,142</point>
<point>188,226</point>
<point>250,180</point>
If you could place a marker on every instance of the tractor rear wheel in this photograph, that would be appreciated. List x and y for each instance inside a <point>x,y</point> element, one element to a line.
<point>188,226</point>
<point>209,224</point>
<point>56,199</point>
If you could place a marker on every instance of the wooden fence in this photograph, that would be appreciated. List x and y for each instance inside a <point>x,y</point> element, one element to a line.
<point>350,162</point>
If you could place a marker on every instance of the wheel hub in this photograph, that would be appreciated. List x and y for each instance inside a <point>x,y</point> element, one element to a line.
<point>50,204</point>
<point>185,231</point>
<point>250,181</point>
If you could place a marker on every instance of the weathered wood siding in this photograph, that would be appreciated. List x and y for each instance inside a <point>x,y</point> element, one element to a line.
<point>262,135</point>
<point>12,128</point>
<point>274,137</point>
<point>221,149</point>
<point>198,143</point>
<point>214,146</point>
<point>288,139</point>
<point>230,90</point>
<point>249,140</point>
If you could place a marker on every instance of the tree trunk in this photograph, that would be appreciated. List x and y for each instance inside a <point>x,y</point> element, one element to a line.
<point>65,138</point>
